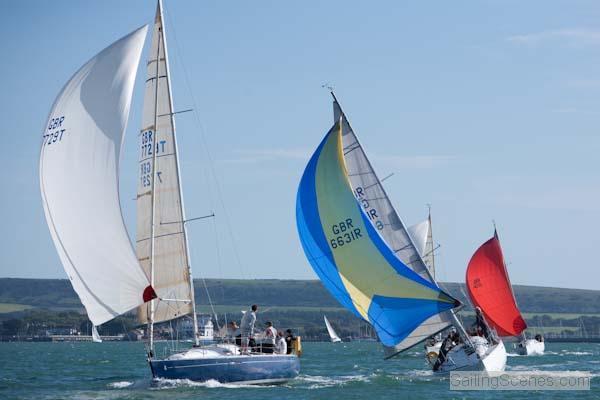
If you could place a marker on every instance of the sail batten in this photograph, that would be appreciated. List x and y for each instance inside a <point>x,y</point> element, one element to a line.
<point>91,113</point>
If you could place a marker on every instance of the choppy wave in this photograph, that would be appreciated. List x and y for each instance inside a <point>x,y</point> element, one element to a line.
<point>577,353</point>
<point>318,381</point>
<point>120,385</point>
<point>210,384</point>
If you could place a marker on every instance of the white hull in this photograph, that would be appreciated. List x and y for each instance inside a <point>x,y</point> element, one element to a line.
<point>484,358</point>
<point>531,347</point>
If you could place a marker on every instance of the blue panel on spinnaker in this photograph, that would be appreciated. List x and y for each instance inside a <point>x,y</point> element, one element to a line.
<point>395,318</point>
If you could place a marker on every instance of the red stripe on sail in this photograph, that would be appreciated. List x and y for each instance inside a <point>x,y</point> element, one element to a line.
<point>489,288</point>
<point>149,294</point>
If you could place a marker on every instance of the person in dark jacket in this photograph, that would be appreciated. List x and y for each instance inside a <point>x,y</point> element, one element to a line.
<point>289,340</point>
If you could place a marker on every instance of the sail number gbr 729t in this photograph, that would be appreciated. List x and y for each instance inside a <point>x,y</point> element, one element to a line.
<point>55,131</point>
<point>344,233</point>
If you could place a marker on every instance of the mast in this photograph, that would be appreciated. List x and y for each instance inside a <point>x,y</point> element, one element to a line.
<point>430,237</point>
<point>178,172</point>
<point>153,198</point>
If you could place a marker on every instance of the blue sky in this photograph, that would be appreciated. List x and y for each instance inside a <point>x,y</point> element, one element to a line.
<point>485,109</point>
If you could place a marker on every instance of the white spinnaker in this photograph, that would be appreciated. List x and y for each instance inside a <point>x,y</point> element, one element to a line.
<point>334,337</point>
<point>171,269</point>
<point>79,164</point>
<point>372,196</point>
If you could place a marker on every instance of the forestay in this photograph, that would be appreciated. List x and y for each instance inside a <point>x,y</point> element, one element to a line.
<point>369,191</point>
<point>79,165</point>
<point>352,260</point>
<point>162,252</point>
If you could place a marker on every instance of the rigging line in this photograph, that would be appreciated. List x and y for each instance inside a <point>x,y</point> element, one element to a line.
<point>219,260</point>
<point>209,300</point>
<point>206,148</point>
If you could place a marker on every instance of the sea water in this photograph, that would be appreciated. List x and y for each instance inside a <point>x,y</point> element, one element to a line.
<point>356,370</point>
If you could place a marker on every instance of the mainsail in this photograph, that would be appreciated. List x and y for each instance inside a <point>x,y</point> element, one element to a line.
<point>419,233</point>
<point>79,165</point>
<point>332,335</point>
<point>422,238</point>
<point>369,191</point>
<point>161,235</point>
<point>490,289</point>
<point>352,259</point>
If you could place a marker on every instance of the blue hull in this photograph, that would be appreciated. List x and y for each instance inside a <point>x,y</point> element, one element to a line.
<point>249,369</point>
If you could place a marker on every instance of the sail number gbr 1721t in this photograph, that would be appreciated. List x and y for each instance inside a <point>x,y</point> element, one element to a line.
<point>344,233</point>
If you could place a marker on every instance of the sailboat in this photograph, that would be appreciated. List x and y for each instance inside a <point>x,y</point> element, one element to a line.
<point>332,335</point>
<point>489,288</point>
<point>95,335</point>
<point>422,236</point>
<point>79,165</point>
<point>361,251</point>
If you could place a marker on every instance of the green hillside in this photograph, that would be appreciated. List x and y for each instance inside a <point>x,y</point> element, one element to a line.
<point>299,304</point>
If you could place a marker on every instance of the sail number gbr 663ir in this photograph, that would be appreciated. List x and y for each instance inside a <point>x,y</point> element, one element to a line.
<point>344,232</point>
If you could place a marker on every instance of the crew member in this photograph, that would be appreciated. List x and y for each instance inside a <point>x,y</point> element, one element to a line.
<point>247,328</point>
<point>281,345</point>
<point>268,343</point>
<point>289,340</point>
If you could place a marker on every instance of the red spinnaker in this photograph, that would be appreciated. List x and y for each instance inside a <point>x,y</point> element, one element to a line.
<point>489,288</point>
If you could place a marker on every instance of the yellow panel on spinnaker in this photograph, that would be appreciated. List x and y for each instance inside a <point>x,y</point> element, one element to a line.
<point>338,210</point>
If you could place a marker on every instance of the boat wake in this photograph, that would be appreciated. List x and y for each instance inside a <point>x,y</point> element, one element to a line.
<point>210,384</point>
<point>120,385</point>
<point>318,382</point>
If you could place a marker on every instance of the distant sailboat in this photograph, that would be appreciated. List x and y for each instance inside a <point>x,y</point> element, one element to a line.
<point>490,289</point>
<point>422,237</point>
<point>332,335</point>
<point>79,164</point>
<point>95,335</point>
<point>363,254</point>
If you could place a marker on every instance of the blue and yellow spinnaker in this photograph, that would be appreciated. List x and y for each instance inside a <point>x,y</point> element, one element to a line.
<point>351,258</point>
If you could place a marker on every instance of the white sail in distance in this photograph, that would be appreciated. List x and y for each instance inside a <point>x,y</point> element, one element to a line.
<point>161,241</point>
<point>422,237</point>
<point>95,335</point>
<point>370,193</point>
<point>79,165</point>
<point>332,334</point>
<point>419,233</point>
